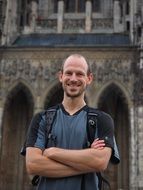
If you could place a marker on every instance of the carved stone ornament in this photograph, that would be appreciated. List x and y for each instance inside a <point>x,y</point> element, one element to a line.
<point>74,24</point>
<point>102,24</point>
<point>111,69</point>
<point>47,23</point>
<point>12,70</point>
<point>138,88</point>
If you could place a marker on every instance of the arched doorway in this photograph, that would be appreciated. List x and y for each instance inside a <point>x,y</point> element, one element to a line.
<point>18,111</point>
<point>113,102</point>
<point>55,96</point>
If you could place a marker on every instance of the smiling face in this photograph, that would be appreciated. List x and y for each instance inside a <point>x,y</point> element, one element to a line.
<point>75,76</point>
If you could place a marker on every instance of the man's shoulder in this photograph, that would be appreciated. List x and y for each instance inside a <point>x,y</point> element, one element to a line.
<point>97,112</point>
<point>47,111</point>
<point>52,108</point>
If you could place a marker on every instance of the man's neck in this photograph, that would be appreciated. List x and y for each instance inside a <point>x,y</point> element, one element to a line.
<point>72,105</point>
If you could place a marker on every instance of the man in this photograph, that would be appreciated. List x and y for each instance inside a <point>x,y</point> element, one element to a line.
<point>69,164</point>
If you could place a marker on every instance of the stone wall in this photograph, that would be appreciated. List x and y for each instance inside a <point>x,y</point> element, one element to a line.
<point>37,70</point>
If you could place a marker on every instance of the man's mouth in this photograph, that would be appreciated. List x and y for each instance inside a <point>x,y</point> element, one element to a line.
<point>73,84</point>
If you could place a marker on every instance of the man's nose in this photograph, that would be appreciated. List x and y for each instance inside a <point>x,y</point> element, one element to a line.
<point>73,77</point>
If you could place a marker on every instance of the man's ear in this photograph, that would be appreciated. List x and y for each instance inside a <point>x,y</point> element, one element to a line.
<point>90,78</point>
<point>60,76</point>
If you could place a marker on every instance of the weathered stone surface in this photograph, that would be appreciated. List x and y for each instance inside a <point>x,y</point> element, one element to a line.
<point>28,78</point>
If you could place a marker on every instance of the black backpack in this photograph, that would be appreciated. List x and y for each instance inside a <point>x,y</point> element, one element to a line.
<point>92,133</point>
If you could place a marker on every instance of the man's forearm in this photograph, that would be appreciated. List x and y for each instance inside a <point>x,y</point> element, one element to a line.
<point>37,164</point>
<point>87,160</point>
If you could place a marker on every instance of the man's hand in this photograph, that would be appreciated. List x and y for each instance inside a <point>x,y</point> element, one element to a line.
<point>50,151</point>
<point>98,144</point>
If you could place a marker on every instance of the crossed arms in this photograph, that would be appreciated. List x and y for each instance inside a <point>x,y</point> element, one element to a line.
<point>56,162</point>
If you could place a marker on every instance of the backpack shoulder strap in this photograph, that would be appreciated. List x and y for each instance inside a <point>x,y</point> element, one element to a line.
<point>92,133</point>
<point>50,117</point>
<point>92,130</point>
<point>93,114</point>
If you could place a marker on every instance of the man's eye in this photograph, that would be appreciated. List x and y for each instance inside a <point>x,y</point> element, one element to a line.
<point>80,74</point>
<point>68,73</point>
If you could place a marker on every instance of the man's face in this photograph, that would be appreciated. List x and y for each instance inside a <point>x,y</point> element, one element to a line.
<point>74,77</point>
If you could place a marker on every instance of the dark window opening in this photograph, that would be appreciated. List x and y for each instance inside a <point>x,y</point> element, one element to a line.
<point>121,7</point>
<point>128,25</point>
<point>21,20</point>
<point>127,8</point>
<point>24,12</point>
<point>55,6</point>
<point>96,5</point>
<point>77,6</point>
<point>139,31</point>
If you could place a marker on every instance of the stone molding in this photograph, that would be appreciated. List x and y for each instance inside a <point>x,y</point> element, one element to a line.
<point>40,73</point>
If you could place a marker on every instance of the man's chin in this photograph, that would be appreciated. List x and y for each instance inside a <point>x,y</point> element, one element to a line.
<point>73,95</point>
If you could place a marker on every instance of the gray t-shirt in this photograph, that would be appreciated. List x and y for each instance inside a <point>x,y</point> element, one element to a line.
<point>68,132</point>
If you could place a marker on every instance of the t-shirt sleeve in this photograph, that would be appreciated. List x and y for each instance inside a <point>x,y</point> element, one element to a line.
<point>106,131</point>
<point>34,129</point>
<point>42,134</point>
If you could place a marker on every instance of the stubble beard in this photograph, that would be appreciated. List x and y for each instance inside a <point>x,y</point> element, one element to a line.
<point>73,95</point>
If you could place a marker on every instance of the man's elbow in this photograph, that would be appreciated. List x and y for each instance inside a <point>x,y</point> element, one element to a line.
<point>33,155</point>
<point>101,166</point>
<point>30,168</point>
<point>103,160</point>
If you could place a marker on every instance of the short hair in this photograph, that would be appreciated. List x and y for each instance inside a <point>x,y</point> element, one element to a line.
<point>79,56</point>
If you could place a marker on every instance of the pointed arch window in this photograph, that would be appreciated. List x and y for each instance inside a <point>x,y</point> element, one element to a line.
<point>24,12</point>
<point>55,6</point>
<point>96,5</point>
<point>47,8</point>
<point>75,6</point>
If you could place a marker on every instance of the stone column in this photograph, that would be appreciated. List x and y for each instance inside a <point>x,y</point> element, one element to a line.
<point>133,19</point>
<point>142,14</point>
<point>38,106</point>
<point>117,16</point>
<point>140,147</point>
<point>88,14</point>
<point>10,23</point>
<point>60,16</point>
<point>33,15</point>
<point>1,115</point>
<point>133,150</point>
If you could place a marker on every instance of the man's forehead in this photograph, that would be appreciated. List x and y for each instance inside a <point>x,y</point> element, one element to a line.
<point>76,62</point>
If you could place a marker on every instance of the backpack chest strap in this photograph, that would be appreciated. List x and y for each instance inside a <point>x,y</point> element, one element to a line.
<point>92,130</point>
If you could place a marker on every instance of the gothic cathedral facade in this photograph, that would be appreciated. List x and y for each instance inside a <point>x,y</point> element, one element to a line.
<point>35,37</point>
